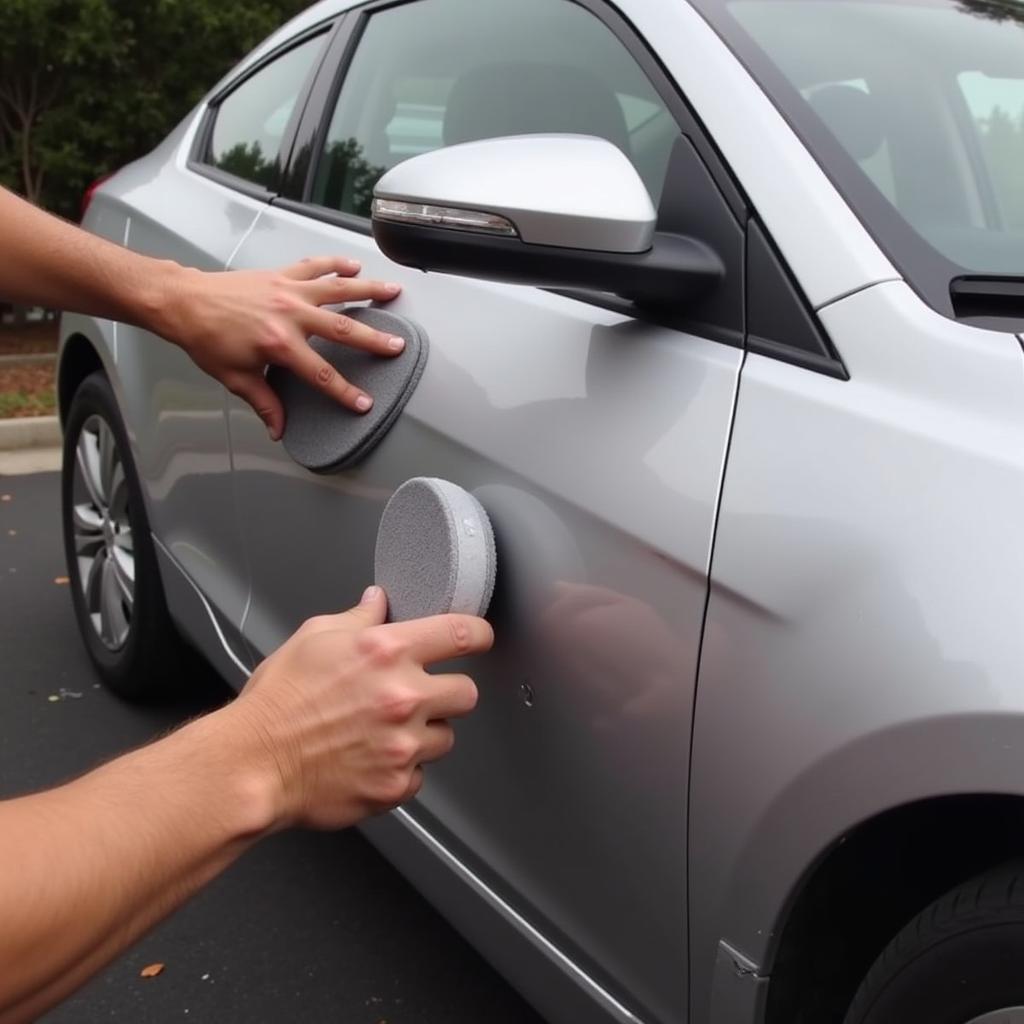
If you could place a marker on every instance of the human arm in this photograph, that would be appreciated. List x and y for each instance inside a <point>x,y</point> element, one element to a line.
<point>330,728</point>
<point>232,324</point>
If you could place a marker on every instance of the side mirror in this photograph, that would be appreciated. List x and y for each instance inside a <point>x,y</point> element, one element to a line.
<point>557,211</point>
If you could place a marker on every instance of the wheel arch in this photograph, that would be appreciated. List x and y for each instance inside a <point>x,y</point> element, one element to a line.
<point>79,357</point>
<point>874,879</point>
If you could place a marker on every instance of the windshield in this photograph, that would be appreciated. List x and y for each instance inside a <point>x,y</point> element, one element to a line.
<point>915,109</point>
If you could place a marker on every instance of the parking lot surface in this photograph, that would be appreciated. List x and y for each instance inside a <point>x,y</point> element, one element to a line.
<point>306,927</point>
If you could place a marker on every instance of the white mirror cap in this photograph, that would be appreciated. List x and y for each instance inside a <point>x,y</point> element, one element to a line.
<point>572,191</point>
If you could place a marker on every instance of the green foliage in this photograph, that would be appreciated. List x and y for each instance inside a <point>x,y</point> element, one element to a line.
<point>345,179</point>
<point>25,403</point>
<point>997,10</point>
<point>89,85</point>
<point>247,161</point>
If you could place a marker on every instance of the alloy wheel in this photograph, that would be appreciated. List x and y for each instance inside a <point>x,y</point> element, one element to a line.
<point>103,533</point>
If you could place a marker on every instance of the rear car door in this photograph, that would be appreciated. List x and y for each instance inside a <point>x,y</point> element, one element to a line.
<point>196,211</point>
<point>595,439</point>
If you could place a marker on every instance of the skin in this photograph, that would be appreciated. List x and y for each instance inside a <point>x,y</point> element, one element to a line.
<point>231,324</point>
<point>333,727</point>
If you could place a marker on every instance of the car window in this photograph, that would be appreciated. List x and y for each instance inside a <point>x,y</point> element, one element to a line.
<point>251,121</point>
<point>434,73</point>
<point>876,165</point>
<point>997,107</point>
<point>925,96</point>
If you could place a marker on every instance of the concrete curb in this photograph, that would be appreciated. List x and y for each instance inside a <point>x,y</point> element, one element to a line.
<point>30,432</point>
<point>20,358</point>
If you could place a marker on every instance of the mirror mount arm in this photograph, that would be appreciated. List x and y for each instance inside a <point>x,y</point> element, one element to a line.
<point>676,269</point>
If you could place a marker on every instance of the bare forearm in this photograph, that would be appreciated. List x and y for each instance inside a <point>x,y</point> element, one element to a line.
<point>87,868</point>
<point>48,262</point>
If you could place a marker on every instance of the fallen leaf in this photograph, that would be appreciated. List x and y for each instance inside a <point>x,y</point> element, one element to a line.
<point>151,971</point>
<point>60,580</point>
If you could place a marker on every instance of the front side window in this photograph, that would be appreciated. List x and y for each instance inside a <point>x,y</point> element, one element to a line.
<point>434,73</point>
<point>922,102</point>
<point>250,123</point>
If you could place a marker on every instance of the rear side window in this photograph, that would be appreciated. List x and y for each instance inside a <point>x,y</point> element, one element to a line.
<point>251,121</point>
<point>434,73</point>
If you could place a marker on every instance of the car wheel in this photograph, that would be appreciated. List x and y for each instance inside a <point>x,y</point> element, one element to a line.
<point>960,961</point>
<point>112,567</point>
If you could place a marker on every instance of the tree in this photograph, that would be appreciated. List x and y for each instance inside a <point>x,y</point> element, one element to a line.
<point>1002,138</point>
<point>89,85</point>
<point>997,10</point>
<point>45,45</point>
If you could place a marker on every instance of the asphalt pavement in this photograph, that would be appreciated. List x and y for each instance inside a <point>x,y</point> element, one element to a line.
<point>308,927</point>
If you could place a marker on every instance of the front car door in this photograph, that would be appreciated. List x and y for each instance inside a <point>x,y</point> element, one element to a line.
<point>596,441</point>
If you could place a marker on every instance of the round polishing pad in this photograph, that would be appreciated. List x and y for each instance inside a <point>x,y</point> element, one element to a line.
<point>435,551</point>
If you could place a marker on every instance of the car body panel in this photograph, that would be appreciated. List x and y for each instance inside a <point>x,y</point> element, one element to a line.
<point>851,635</point>
<point>853,639</point>
<point>603,509</point>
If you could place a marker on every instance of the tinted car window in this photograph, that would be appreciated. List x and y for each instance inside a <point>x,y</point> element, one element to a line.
<point>923,101</point>
<point>433,73</point>
<point>251,121</point>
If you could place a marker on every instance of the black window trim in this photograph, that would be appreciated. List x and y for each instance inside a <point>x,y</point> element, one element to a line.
<point>196,161</point>
<point>319,110</point>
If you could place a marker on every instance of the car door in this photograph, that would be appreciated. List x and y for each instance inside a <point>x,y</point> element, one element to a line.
<point>596,441</point>
<point>196,211</point>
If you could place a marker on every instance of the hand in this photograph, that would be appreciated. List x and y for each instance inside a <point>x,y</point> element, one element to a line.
<point>343,714</point>
<point>232,324</point>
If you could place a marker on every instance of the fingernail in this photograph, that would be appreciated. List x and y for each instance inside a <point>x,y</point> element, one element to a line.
<point>272,434</point>
<point>363,402</point>
<point>369,594</point>
<point>355,265</point>
<point>392,287</point>
<point>396,344</point>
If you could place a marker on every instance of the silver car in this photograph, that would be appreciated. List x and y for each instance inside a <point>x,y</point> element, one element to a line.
<point>724,302</point>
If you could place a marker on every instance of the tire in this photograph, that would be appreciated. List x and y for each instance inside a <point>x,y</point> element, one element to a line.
<point>112,567</point>
<point>960,961</point>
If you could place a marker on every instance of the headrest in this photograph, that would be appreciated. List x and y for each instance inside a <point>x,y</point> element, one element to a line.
<point>853,116</point>
<point>526,99</point>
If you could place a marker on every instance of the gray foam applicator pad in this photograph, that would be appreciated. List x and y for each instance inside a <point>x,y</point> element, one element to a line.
<point>324,436</point>
<point>435,551</point>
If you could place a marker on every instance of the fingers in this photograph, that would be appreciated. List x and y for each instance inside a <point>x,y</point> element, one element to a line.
<point>261,396</point>
<point>372,610</point>
<point>326,290</point>
<point>305,363</point>
<point>448,696</point>
<point>437,740</point>
<point>341,328</point>
<point>317,266</point>
<point>441,637</point>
